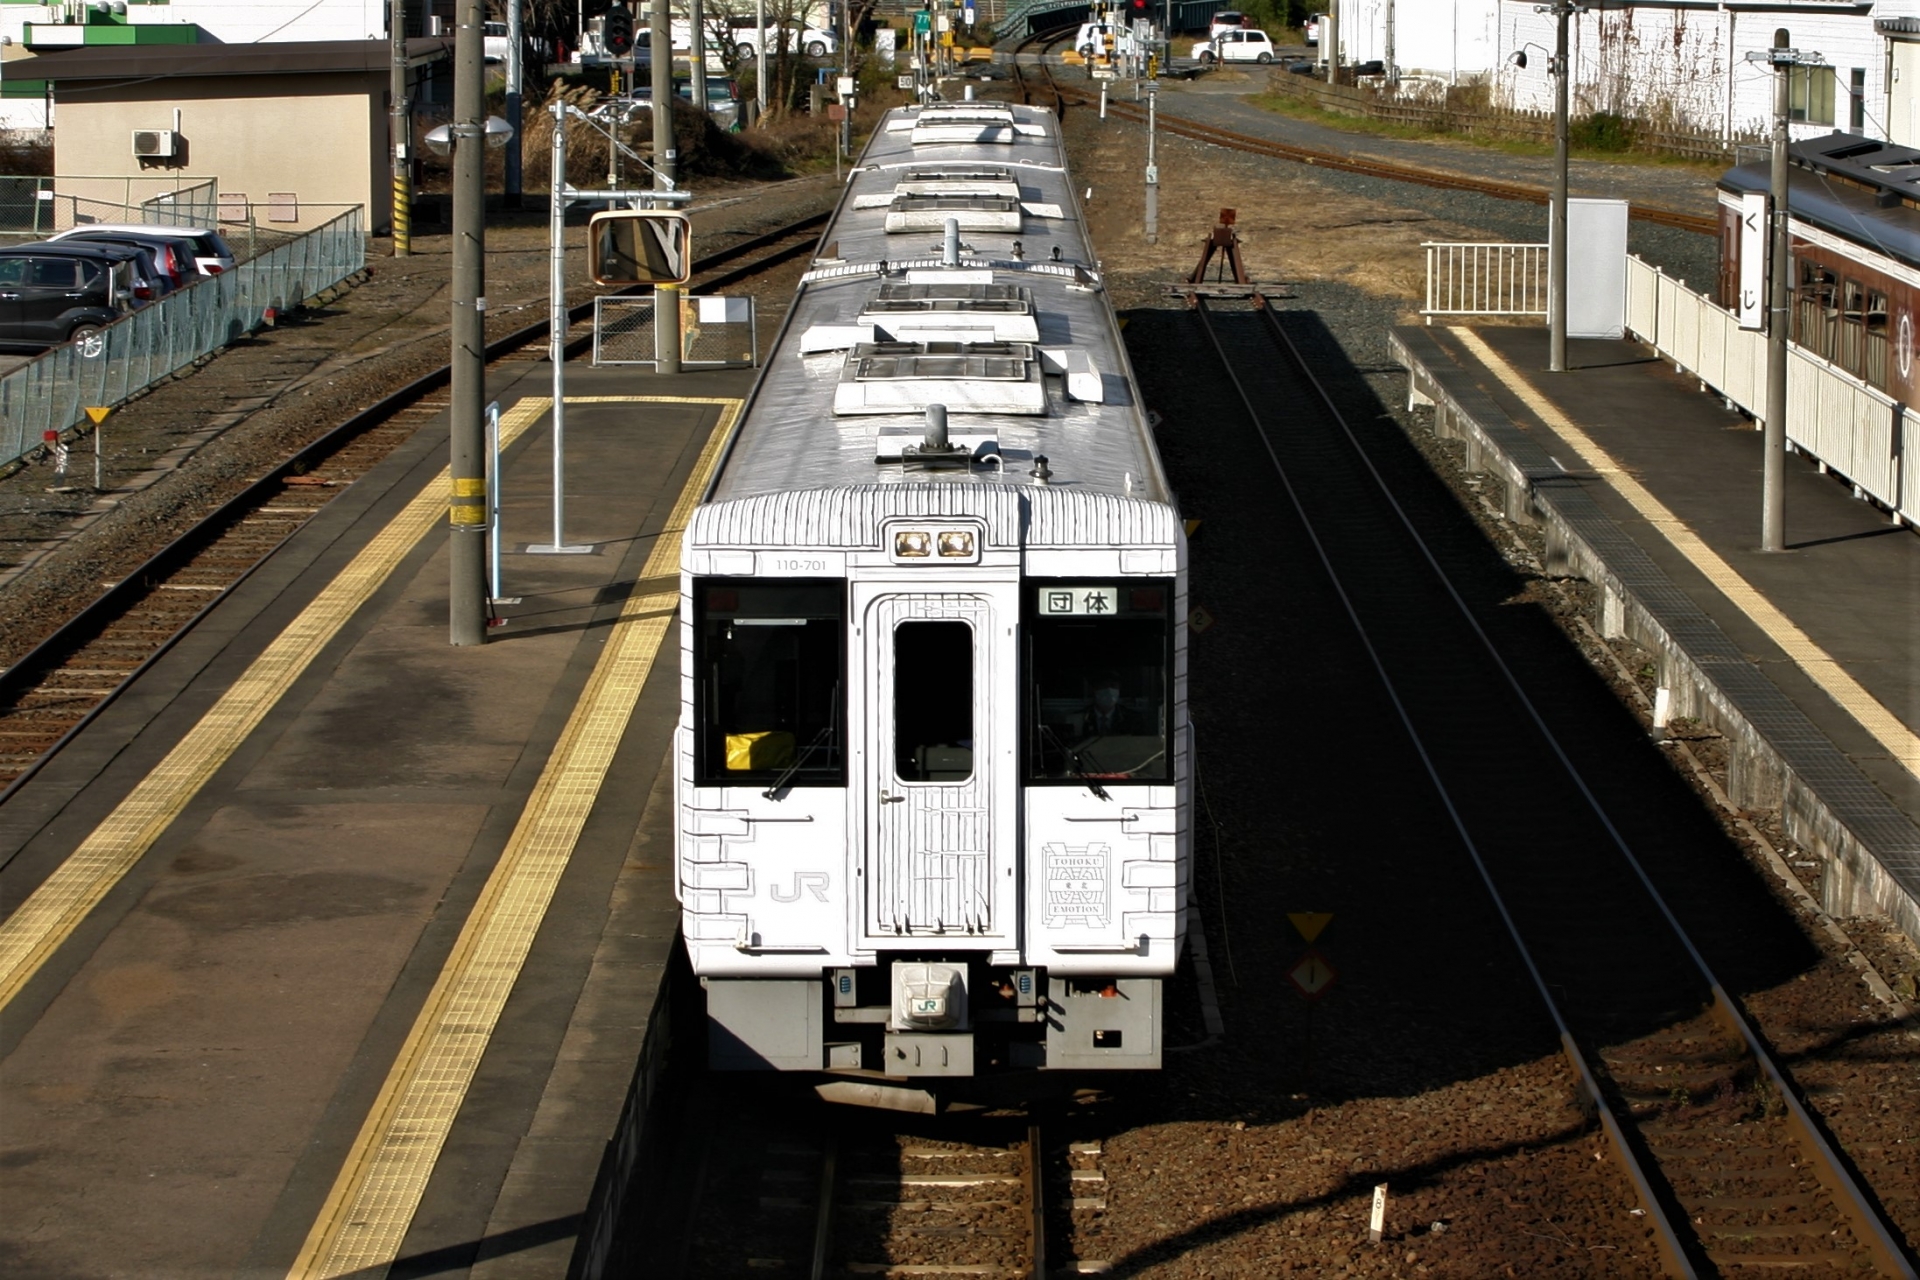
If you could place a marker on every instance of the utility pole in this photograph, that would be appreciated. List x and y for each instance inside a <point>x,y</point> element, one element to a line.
<point>697,18</point>
<point>1393,66</point>
<point>1562,11</point>
<point>467,524</point>
<point>1330,42</point>
<point>760,60</point>
<point>1773,469</point>
<point>516,82</point>
<point>1153,170</point>
<point>402,130</point>
<point>666,298</point>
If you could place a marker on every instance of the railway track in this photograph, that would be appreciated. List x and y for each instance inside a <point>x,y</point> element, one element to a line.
<point>1047,89</point>
<point>66,680</point>
<point>1732,1169</point>
<point>828,1192</point>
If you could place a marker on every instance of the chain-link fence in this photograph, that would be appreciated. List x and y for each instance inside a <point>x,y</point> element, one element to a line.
<point>715,332</point>
<point>52,393</point>
<point>34,208</point>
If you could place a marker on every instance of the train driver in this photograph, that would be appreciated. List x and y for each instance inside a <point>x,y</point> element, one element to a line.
<point>1104,712</point>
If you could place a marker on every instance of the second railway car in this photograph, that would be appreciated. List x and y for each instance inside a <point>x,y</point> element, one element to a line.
<point>1854,224</point>
<point>934,777</point>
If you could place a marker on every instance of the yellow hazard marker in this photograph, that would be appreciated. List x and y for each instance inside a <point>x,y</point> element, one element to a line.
<point>1821,667</point>
<point>1310,923</point>
<point>365,1218</point>
<point>50,914</point>
<point>98,413</point>
<point>1193,527</point>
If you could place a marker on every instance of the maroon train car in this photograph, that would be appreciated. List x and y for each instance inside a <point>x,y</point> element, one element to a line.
<point>1855,227</point>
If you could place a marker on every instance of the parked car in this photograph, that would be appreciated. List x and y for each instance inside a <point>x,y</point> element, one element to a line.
<point>810,40</point>
<point>1235,46</point>
<point>210,252</point>
<point>173,256</point>
<point>493,44</point>
<point>50,298</point>
<point>1311,32</point>
<point>145,281</point>
<point>1227,20</point>
<point>723,98</point>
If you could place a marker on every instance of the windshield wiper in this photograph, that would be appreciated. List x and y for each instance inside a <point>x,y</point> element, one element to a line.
<point>800,758</point>
<point>1073,760</point>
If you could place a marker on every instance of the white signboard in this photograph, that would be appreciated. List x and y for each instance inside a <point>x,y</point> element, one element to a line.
<point>1752,302</point>
<point>1088,602</point>
<point>1596,268</point>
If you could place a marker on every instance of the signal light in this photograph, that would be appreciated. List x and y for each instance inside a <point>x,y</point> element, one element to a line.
<point>617,31</point>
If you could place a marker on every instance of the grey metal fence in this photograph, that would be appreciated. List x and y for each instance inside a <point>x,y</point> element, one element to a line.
<point>716,332</point>
<point>52,393</point>
<point>31,208</point>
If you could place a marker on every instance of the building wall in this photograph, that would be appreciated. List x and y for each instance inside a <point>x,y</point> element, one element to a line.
<point>1687,67</point>
<point>1449,40</point>
<point>320,137</point>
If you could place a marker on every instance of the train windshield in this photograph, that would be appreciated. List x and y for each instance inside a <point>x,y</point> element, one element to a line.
<point>1099,681</point>
<point>770,701</point>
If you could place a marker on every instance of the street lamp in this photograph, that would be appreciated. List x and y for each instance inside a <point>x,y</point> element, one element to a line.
<point>1783,58</point>
<point>440,141</point>
<point>1562,11</point>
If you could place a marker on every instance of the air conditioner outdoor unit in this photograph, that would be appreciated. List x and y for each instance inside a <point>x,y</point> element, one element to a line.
<point>154,144</point>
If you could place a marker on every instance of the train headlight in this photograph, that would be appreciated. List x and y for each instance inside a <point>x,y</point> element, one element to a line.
<point>957,544</point>
<point>912,544</point>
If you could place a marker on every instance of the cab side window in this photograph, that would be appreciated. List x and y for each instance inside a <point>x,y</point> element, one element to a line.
<point>13,272</point>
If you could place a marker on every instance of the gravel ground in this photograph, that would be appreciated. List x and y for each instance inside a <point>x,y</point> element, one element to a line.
<point>192,442</point>
<point>1430,1072</point>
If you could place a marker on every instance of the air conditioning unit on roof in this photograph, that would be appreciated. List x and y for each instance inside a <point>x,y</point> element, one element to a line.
<point>154,144</point>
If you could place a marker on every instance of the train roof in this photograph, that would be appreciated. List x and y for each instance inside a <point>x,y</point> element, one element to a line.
<point>1858,188</point>
<point>1016,337</point>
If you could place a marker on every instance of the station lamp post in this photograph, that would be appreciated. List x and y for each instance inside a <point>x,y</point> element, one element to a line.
<point>1563,12</point>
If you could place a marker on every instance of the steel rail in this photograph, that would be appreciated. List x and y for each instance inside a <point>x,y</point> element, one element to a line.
<point>1870,1224</point>
<point>115,601</point>
<point>1853,1201</point>
<point>1320,158</point>
<point>1036,1203</point>
<point>823,1208</point>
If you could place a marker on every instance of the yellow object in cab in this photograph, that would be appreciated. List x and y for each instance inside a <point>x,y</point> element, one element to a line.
<point>772,749</point>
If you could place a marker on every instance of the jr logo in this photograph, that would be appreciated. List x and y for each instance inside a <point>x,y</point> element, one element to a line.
<point>814,882</point>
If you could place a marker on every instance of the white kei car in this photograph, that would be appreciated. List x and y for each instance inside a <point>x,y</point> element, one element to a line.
<point>1235,46</point>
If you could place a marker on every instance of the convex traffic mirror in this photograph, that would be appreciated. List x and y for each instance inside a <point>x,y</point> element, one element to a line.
<point>639,246</point>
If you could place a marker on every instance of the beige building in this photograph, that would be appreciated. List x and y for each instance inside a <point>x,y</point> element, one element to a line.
<point>297,131</point>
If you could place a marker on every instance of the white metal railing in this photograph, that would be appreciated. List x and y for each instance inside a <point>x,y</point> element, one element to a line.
<point>1832,416</point>
<point>1485,280</point>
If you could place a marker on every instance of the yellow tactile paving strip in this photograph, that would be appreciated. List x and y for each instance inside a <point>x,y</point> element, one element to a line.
<point>1821,667</point>
<point>366,1216</point>
<point>45,920</point>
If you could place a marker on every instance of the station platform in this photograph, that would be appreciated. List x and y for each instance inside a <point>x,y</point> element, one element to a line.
<point>330,948</point>
<point>1808,661</point>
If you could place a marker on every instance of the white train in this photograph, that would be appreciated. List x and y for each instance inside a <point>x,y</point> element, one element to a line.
<point>934,776</point>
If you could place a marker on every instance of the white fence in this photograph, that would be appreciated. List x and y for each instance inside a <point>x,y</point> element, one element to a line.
<point>1485,280</point>
<point>1832,416</point>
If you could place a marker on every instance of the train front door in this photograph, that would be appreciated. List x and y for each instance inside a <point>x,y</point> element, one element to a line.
<point>939,720</point>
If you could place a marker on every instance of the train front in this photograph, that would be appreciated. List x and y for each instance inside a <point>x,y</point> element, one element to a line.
<point>935,780</point>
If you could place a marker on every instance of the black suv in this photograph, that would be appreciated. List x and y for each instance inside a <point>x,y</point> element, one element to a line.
<point>50,297</point>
